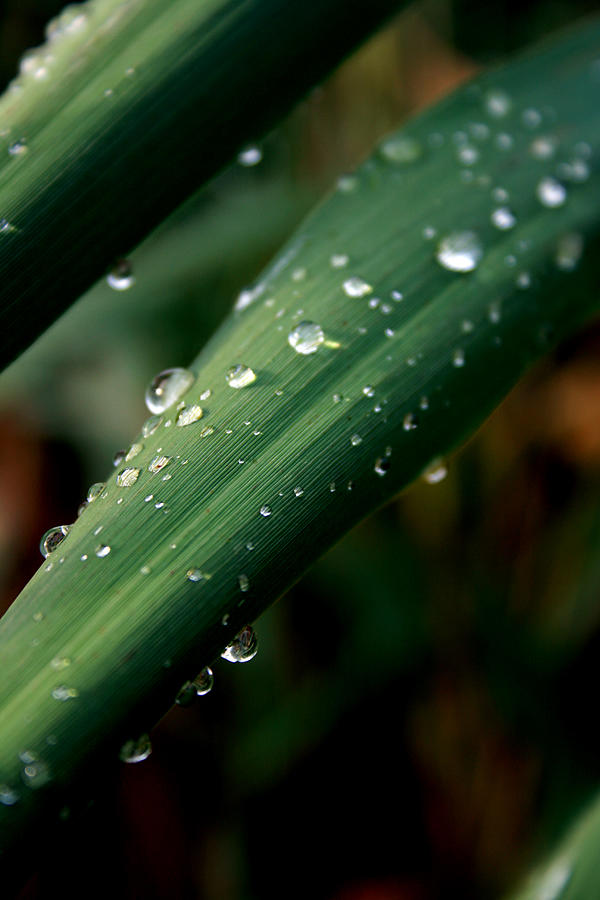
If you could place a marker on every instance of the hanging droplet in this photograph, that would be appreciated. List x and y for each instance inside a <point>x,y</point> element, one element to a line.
<point>356,287</point>
<point>166,388</point>
<point>121,277</point>
<point>102,550</point>
<point>52,538</point>
<point>239,376</point>
<point>551,193</point>
<point>94,491</point>
<point>306,338</point>
<point>136,751</point>
<point>460,251</point>
<point>204,681</point>
<point>127,477</point>
<point>435,472</point>
<point>150,426</point>
<point>189,415</point>
<point>243,647</point>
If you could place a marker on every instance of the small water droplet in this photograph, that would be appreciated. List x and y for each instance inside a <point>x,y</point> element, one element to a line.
<point>52,538</point>
<point>18,148</point>
<point>575,170</point>
<point>504,141</point>
<point>397,296</point>
<point>133,451</point>
<point>460,251</point>
<point>497,103</point>
<point>8,796</point>
<point>424,403</point>
<point>166,388</point>
<point>389,332</point>
<point>128,476</point>
<point>145,570</point>
<point>306,338</point>
<point>551,193</point>
<point>355,440</point>
<point>35,773</point>
<point>531,118</point>
<point>382,465</point>
<point>60,662</point>
<point>503,218</point>
<point>265,511</point>
<point>239,376</point>
<point>331,486</point>
<point>195,575</point>
<point>189,415</point>
<point>243,647</point>
<point>410,422</point>
<point>204,681</point>
<point>102,550</point>
<point>400,149</point>
<point>569,249</point>
<point>467,155</point>
<point>347,184</point>
<point>136,751</point>
<point>298,491</point>
<point>543,147</point>
<point>429,232</point>
<point>523,280</point>
<point>339,260</point>
<point>435,472</point>
<point>158,463</point>
<point>250,156</point>
<point>356,287</point>
<point>150,426</point>
<point>118,457</point>
<point>368,390</point>
<point>244,583</point>
<point>64,693</point>
<point>120,277</point>
<point>458,358</point>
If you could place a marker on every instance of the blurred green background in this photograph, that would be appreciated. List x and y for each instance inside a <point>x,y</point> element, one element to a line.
<point>417,724</point>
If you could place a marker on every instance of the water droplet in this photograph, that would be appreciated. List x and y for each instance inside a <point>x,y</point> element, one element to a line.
<point>18,148</point>
<point>8,796</point>
<point>355,440</point>
<point>166,388</point>
<point>569,249</point>
<point>346,184</point>
<point>127,477</point>
<point>523,280</point>
<point>503,218</point>
<point>60,662</point>
<point>63,693</point>
<point>389,332</point>
<point>118,457</point>
<point>250,156</point>
<point>52,538</point>
<point>243,647</point>
<point>133,451</point>
<point>410,422</point>
<point>460,251</point>
<point>497,103</point>
<point>382,465</point>
<point>189,415</point>
<point>458,358</point>
<point>400,149</point>
<point>504,141</point>
<point>531,118</point>
<point>467,155</point>
<point>575,170</point>
<point>195,575</point>
<point>435,472</point>
<point>120,277</point>
<point>543,147</point>
<point>356,287</point>
<point>248,296</point>
<point>102,550</point>
<point>158,463</point>
<point>150,426</point>
<point>424,403</point>
<point>298,491</point>
<point>240,376</point>
<point>429,232</point>
<point>339,260</point>
<point>306,338</point>
<point>35,773</point>
<point>136,751</point>
<point>551,193</point>
<point>204,681</point>
<point>265,511</point>
<point>244,583</point>
<point>186,695</point>
<point>368,390</point>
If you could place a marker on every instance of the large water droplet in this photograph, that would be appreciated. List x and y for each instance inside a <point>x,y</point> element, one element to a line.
<point>460,251</point>
<point>136,751</point>
<point>306,338</point>
<point>120,277</point>
<point>166,388</point>
<point>52,538</point>
<point>240,376</point>
<point>356,287</point>
<point>243,647</point>
<point>127,477</point>
<point>551,193</point>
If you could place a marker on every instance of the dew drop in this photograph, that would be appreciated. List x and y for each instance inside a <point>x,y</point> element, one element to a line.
<point>166,388</point>
<point>400,149</point>
<point>551,193</point>
<point>503,218</point>
<point>382,465</point>
<point>35,773</point>
<point>339,260</point>
<point>64,693</point>
<point>52,538</point>
<point>204,681</point>
<point>158,463</point>
<point>306,338</point>
<point>497,103</point>
<point>186,695</point>
<point>347,184</point>
<point>298,491</point>
<point>243,647</point>
<point>250,156</point>
<point>265,511</point>
<point>356,287</point>
<point>150,426</point>
<point>355,440</point>
<point>136,751</point>
<point>244,583</point>
<point>120,277</point>
<point>368,390</point>
<point>8,796</point>
<point>145,570</point>
<point>102,550</point>
<point>410,422</point>
<point>467,155</point>
<point>18,148</point>
<point>575,170</point>
<point>195,575</point>
<point>189,415</point>
<point>523,280</point>
<point>240,376</point>
<point>118,457</point>
<point>127,477</point>
<point>435,472</point>
<point>543,147</point>
<point>458,358</point>
<point>460,251</point>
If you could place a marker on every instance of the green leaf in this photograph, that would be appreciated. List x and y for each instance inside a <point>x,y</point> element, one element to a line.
<point>424,309</point>
<point>125,111</point>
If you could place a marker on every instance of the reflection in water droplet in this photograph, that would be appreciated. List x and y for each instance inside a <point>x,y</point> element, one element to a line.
<point>102,550</point>
<point>435,472</point>
<point>460,251</point>
<point>136,751</point>
<point>120,277</point>
<point>166,388</point>
<point>356,287</point>
<point>240,376</point>
<point>551,193</point>
<point>52,538</point>
<point>243,647</point>
<point>127,477</point>
<point>306,338</point>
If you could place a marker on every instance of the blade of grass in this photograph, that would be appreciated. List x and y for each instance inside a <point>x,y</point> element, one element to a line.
<point>124,112</point>
<point>415,355</point>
